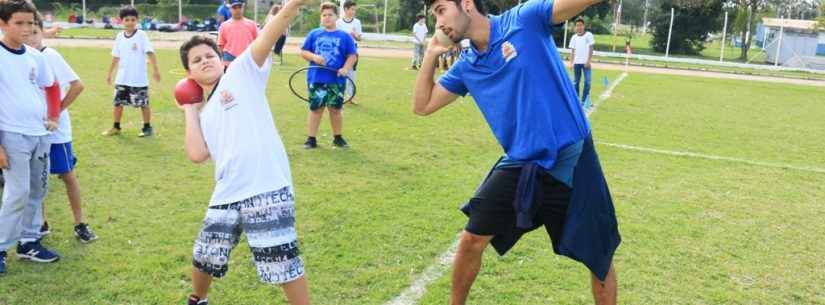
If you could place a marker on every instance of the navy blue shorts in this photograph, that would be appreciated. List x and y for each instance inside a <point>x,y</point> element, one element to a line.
<point>62,158</point>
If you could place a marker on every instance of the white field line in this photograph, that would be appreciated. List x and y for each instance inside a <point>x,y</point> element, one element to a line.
<point>412,294</point>
<point>716,158</point>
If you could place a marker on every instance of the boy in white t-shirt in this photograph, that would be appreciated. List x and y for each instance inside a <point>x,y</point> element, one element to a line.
<point>129,54</point>
<point>419,38</point>
<point>25,121</point>
<point>352,26</point>
<point>253,191</point>
<point>582,45</point>
<point>61,155</point>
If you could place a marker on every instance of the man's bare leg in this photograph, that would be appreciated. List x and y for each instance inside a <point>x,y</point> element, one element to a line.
<point>605,293</point>
<point>466,265</point>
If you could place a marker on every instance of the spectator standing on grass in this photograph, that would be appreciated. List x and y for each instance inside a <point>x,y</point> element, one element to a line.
<point>581,45</point>
<point>236,34</point>
<point>419,39</point>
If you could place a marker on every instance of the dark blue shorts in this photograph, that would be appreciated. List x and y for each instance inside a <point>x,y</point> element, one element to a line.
<point>62,158</point>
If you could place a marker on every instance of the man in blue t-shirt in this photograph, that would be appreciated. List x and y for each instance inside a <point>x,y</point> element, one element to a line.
<point>550,174</point>
<point>223,13</point>
<point>333,52</point>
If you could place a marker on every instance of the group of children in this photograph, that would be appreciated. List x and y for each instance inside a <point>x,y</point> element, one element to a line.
<point>253,192</point>
<point>35,133</point>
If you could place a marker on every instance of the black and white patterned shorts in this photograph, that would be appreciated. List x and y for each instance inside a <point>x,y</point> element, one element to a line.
<point>131,96</point>
<point>268,220</point>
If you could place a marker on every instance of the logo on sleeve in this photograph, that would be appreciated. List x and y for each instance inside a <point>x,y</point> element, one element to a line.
<point>508,51</point>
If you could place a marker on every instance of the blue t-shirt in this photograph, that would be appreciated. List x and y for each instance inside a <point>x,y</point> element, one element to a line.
<point>334,47</point>
<point>522,88</point>
<point>223,10</point>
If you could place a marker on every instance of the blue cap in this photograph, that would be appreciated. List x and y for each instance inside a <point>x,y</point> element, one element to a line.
<point>236,2</point>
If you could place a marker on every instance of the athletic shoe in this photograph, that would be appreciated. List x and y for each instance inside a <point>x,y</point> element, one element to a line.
<point>2,262</point>
<point>194,300</point>
<point>311,144</point>
<point>145,132</point>
<point>35,252</point>
<point>84,234</point>
<point>111,132</point>
<point>340,143</point>
<point>588,104</point>
<point>44,229</point>
<point>413,68</point>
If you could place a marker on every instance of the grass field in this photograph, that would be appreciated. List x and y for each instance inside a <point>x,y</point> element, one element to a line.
<point>370,219</point>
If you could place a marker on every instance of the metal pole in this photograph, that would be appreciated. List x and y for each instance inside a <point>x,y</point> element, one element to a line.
<point>180,11</point>
<point>384,31</point>
<point>255,14</point>
<point>670,31</point>
<point>724,34</point>
<point>84,10</point>
<point>616,25</point>
<point>779,46</point>
<point>565,35</point>
<point>133,3</point>
<point>644,19</point>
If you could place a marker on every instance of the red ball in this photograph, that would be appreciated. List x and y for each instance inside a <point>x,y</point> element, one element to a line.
<point>187,91</point>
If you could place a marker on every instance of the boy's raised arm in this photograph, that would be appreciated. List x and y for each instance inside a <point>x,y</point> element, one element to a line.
<point>262,46</point>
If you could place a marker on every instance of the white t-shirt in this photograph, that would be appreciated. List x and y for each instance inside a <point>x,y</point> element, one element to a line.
<point>241,136</point>
<point>22,106</point>
<point>581,44</point>
<point>64,75</point>
<point>354,26</point>
<point>131,70</point>
<point>420,33</point>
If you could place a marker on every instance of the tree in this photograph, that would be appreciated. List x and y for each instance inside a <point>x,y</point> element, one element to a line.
<point>747,11</point>
<point>694,19</point>
<point>407,11</point>
<point>820,25</point>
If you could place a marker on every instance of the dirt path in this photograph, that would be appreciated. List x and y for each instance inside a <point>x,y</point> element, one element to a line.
<point>293,45</point>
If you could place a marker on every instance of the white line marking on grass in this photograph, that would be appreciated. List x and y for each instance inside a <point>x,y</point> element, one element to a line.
<point>606,94</point>
<point>412,294</point>
<point>717,158</point>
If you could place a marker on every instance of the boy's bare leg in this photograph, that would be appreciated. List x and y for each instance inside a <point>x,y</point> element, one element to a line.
<point>200,283</point>
<point>314,121</point>
<point>117,114</point>
<point>336,119</point>
<point>605,294</point>
<point>147,114</point>
<point>297,291</point>
<point>73,192</point>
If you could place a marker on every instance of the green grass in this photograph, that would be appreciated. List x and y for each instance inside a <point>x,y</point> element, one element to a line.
<point>372,217</point>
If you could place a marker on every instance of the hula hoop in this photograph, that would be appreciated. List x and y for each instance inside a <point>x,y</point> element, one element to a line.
<point>292,88</point>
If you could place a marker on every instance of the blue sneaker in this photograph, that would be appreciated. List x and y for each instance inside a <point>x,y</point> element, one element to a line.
<point>2,262</point>
<point>35,252</point>
<point>588,104</point>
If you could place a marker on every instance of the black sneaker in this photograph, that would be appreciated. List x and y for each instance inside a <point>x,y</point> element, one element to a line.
<point>2,262</point>
<point>44,229</point>
<point>84,234</point>
<point>194,300</point>
<point>35,252</point>
<point>310,144</point>
<point>145,132</point>
<point>339,142</point>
